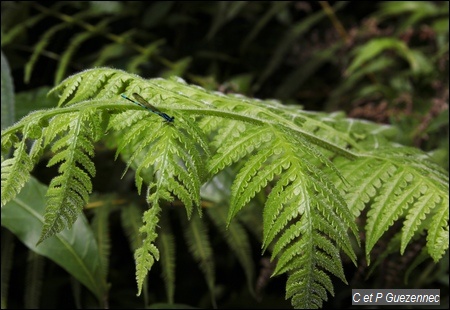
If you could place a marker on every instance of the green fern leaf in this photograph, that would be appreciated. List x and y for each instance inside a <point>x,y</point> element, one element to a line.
<point>438,236</point>
<point>183,195</point>
<point>84,86</point>
<point>359,174</point>
<point>109,52</point>
<point>194,136</point>
<point>40,47</point>
<point>237,239</point>
<point>395,196</point>
<point>101,231</point>
<point>131,219</point>
<point>224,128</point>
<point>235,149</point>
<point>395,185</point>
<point>69,192</point>
<point>146,145</point>
<point>15,172</point>
<point>66,57</point>
<point>145,54</point>
<point>200,248</point>
<point>278,197</point>
<point>166,245</point>
<point>315,280</point>
<point>35,275</point>
<point>300,189</point>
<point>147,253</point>
<point>75,43</point>
<point>322,169</point>
<point>416,215</point>
<point>165,147</point>
<point>329,259</point>
<point>251,180</point>
<point>21,27</point>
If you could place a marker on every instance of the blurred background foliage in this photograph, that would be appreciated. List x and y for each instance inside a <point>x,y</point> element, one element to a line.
<point>386,62</point>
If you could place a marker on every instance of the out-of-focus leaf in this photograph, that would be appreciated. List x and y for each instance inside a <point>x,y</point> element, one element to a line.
<point>241,83</point>
<point>414,11</point>
<point>441,26</point>
<point>372,49</point>
<point>226,11</point>
<point>156,13</point>
<point>109,52</point>
<point>105,7</point>
<point>418,62</point>
<point>145,56</point>
<point>8,117</point>
<point>346,88</point>
<point>75,250</point>
<point>438,122</point>
<point>35,99</point>
<point>388,8</point>
<point>6,267</point>
<point>179,68</point>
<point>294,80</point>
<point>277,7</point>
<point>292,36</point>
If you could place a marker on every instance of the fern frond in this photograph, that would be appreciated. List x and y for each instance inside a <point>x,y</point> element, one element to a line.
<point>34,276</point>
<point>300,192</point>
<point>359,174</point>
<point>166,245</point>
<point>135,142</point>
<point>16,170</point>
<point>307,256</point>
<point>145,55</point>
<point>40,47</point>
<point>131,220</point>
<point>175,161</point>
<point>147,253</point>
<point>166,146</point>
<point>110,51</point>
<point>424,204</point>
<point>322,169</point>
<point>101,231</point>
<point>315,280</point>
<point>398,192</point>
<point>195,136</point>
<point>222,129</point>
<point>235,149</point>
<point>278,197</point>
<point>251,180</point>
<point>438,232</point>
<point>237,239</point>
<point>75,43</point>
<point>331,202</point>
<point>81,87</point>
<point>19,28</point>
<point>69,191</point>
<point>199,245</point>
<point>395,185</point>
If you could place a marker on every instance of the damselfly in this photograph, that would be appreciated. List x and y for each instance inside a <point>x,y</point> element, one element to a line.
<point>144,104</point>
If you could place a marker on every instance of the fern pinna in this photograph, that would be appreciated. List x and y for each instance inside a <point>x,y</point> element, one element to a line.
<point>321,169</point>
